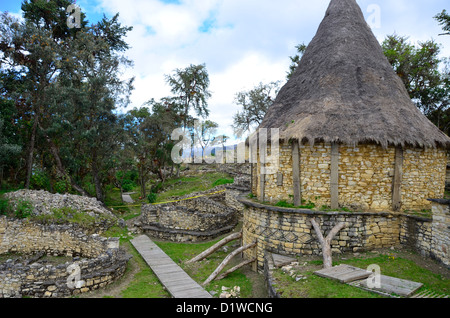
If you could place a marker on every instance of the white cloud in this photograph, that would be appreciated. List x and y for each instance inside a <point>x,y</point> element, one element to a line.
<point>242,42</point>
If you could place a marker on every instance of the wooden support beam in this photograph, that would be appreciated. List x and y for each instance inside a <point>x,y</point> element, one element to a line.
<point>326,241</point>
<point>398,178</point>
<point>262,184</point>
<point>296,173</point>
<point>215,247</point>
<point>334,177</point>
<point>235,268</point>
<point>226,261</point>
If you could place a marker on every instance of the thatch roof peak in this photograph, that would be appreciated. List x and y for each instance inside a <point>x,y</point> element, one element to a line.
<point>345,90</point>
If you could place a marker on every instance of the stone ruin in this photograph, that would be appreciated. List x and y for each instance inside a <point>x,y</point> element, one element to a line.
<point>57,260</point>
<point>200,216</point>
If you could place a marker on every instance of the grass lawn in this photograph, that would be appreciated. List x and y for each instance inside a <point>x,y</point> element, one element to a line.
<point>396,263</point>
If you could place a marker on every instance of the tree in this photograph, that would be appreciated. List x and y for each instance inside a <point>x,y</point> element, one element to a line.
<point>295,60</point>
<point>205,133</point>
<point>33,46</point>
<point>444,19</point>
<point>190,87</point>
<point>419,69</point>
<point>325,242</point>
<point>71,88</point>
<point>8,151</point>
<point>255,104</point>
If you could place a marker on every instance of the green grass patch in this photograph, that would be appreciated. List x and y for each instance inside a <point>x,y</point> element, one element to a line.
<point>179,187</point>
<point>391,265</point>
<point>200,271</point>
<point>145,284</point>
<point>284,204</point>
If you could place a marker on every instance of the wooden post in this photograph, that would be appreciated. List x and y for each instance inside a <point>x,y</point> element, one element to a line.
<point>398,177</point>
<point>334,177</point>
<point>326,241</point>
<point>262,182</point>
<point>296,173</point>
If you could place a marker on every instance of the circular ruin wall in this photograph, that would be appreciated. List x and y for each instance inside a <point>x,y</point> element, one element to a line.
<point>288,231</point>
<point>97,261</point>
<point>198,217</point>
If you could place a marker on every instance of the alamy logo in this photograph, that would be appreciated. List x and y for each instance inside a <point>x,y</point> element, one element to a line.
<point>74,18</point>
<point>74,279</point>
<point>258,151</point>
<point>374,19</point>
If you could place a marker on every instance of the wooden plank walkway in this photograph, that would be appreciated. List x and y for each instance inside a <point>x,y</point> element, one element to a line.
<point>173,277</point>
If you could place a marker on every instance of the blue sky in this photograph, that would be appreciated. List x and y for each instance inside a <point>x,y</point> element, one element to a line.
<point>242,42</point>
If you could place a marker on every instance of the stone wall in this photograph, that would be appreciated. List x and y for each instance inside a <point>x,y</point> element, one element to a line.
<point>289,231</point>
<point>423,177</point>
<point>440,244</point>
<point>196,219</point>
<point>366,175</point>
<point>99,261</point>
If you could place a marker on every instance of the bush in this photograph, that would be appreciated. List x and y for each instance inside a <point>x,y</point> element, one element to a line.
<point>128,185</point>
<point>156,188</point>
<point>4,207</point>
<point>24,209</point>
<point>62,186</point>
<point>152,197</point>
<point>222,181</point>
<point>40,180</point>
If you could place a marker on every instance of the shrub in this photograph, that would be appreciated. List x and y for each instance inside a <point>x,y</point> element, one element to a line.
<point>156,188</point>
<point>222,181</point>
<point>4,207</point>
<point>24,209</point>
<point>63,186</point>
<point>40,180</point>
<point>152,197</point>
<point>128,185</point>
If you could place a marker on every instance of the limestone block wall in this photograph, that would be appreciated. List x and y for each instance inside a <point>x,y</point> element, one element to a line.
<point>289,231</point>
<point>440,244</point>
<point>366,174</point>
<point>365,177</point>
<point>196,219</point>
<point>97,261</point>
<point>424,174</point>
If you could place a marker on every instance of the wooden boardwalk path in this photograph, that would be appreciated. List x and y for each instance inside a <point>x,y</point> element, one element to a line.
<point>173,277</point>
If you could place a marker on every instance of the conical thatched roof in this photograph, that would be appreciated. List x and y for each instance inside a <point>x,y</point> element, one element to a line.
<point>346,91</point>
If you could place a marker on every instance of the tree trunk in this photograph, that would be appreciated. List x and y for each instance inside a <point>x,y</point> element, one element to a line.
<point>31,152</point>
<point>97,182</point>
<point>60,167</point>
<point>326,242</point>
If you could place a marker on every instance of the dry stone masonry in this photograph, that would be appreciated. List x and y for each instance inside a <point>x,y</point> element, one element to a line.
<point>95,261</point>
<point>365,177</point>
<point>198,217</point>
<point>289,231</point>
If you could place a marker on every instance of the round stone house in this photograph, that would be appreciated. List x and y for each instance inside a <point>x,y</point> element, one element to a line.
<point>349,134</point>
<point>343,137</point>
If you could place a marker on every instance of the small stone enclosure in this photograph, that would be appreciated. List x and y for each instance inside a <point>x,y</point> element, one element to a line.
<point>95,261</point>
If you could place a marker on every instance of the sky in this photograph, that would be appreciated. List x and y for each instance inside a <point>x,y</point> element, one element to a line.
<point>241,42</point>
